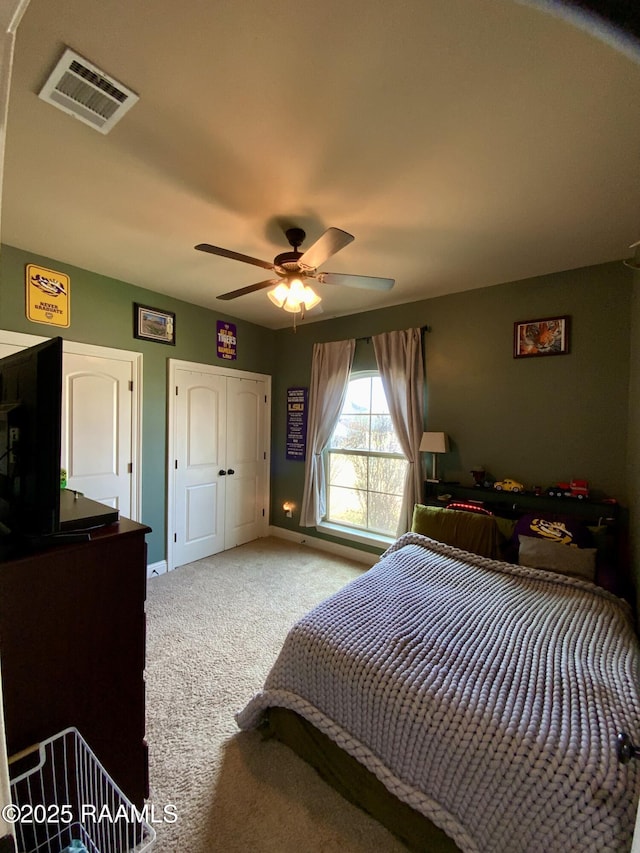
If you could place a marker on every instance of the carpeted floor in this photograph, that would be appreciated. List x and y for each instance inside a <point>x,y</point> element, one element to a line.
<point>214,629</point>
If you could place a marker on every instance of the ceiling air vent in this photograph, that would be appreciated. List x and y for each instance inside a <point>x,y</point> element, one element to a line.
<point>84,91</point>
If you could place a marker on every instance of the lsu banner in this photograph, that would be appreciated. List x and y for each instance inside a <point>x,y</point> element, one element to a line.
<point>48,296</point>
<point>297,410</point>
<point>227,338</point>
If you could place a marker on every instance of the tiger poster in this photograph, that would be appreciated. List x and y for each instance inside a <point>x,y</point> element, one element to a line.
<point>547,336</point>
<point>48,296</point>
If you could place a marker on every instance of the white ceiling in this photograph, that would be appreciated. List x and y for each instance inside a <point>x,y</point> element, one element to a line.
<point>463,142</point>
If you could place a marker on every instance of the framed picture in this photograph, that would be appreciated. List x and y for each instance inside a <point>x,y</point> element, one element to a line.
<point>151,324</point>
<point>536,338</point>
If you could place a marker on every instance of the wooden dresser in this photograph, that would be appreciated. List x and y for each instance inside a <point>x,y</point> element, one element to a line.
<point>72,649</point>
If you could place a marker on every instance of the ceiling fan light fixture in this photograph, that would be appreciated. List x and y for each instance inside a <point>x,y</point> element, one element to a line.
<point>295,299</point>
<point>294,296</point>
<point>301,297</point>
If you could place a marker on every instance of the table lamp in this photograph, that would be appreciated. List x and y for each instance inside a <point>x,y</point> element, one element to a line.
<point>434,443</point>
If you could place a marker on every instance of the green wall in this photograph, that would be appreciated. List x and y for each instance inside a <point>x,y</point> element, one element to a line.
<point>102,313</point>
<point>536,420</point>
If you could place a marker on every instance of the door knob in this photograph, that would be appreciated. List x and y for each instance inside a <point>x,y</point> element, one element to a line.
<point>231,471</point>
<point>222,472</point>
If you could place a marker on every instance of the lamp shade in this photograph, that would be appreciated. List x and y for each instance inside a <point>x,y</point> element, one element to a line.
<point>434,442</point>
<point>279,295</point>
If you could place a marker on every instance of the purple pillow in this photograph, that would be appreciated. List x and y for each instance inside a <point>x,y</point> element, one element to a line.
<point>553,528</point>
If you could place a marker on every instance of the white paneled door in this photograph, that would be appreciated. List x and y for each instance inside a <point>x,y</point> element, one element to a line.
<point>217,461</point>
<point>96,428</point>
<point>199,465</point>
<point>246,455</point>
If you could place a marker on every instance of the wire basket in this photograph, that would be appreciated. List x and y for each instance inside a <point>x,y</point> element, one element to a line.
<point>68,797</point>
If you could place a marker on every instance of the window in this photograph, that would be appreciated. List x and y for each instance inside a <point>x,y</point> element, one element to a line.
<point>365,465</point>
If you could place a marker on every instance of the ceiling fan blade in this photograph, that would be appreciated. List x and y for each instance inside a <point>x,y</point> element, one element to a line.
<point>367,282</point>
<point>235,256</point>
<point>325,246</point>
<point>250,288</point>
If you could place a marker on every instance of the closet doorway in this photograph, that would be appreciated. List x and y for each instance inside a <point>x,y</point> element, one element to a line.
<point>218,459</point>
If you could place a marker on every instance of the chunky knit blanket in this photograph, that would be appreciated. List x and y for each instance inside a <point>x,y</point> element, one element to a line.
<point>486,696</point>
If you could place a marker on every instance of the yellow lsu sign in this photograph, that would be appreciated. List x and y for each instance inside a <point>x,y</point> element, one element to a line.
<point>48,296</point>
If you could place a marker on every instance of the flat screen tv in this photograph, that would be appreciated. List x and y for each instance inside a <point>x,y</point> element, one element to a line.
<point>30,439</point>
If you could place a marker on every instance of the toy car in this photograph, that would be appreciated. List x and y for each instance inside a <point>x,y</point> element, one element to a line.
<point>574,489</point>
<point>508,485</point>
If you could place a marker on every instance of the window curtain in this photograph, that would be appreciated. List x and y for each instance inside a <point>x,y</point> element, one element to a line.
<point>399,359</point>
<point>330,369</point>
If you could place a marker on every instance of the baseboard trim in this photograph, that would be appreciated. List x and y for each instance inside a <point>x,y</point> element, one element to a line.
<point>323,545</point>
<point>156,569</point>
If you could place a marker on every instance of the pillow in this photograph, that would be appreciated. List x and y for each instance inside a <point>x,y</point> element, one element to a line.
<point>466,530</point>
<point>555,557</point>
<point>554,528</point>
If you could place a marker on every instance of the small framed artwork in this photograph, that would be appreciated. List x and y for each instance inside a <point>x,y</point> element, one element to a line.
<point>152,324</point>
<point>546,336</point>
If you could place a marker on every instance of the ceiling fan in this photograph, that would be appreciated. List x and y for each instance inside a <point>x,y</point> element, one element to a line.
<point>292,269</point>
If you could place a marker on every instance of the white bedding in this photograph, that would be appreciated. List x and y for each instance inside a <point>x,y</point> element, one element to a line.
<point>487,696</point>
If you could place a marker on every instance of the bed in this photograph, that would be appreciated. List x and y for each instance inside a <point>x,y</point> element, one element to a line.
<point>468,703</point>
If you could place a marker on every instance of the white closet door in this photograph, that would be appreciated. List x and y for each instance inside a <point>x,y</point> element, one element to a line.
<point>200,469</point>
<point>96,428</point>
<point>217,460</point>
<point>245,460</point>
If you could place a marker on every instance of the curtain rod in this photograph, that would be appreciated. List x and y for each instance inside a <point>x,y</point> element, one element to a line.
<point>367,338</point>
